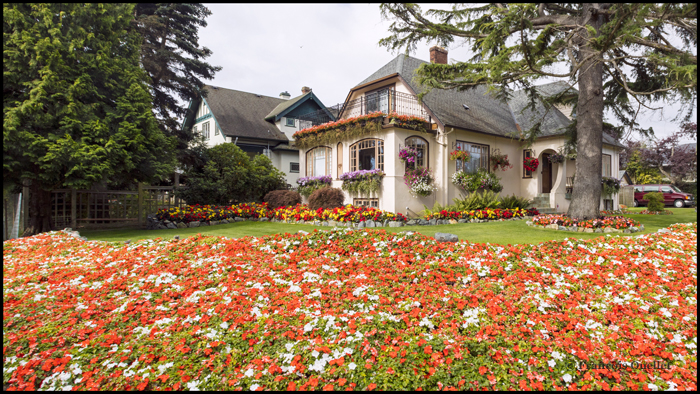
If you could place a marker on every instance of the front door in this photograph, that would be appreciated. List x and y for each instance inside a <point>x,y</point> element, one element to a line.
<point>546,174</point>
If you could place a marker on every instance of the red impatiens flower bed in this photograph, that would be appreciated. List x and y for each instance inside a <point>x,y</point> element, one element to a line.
<point>617,222</point>
<point>349,309</point>
<point>648,212</point>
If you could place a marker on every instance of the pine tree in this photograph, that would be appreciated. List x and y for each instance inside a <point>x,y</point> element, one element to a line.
<point>175,63</point>
<point>623,56</point>
<point>76,106</point>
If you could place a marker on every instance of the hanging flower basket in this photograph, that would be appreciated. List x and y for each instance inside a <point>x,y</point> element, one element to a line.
<point>459,154</point>
<point>408,154</point>
<point>531,163</point>
<point>499,160</point>
<point>420,182</point>
<point>556,158</point>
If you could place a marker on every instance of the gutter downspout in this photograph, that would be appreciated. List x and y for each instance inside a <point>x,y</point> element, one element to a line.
<point>444,167</point>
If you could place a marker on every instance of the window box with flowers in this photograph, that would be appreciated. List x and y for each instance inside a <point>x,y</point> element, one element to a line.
<point>480,180</point>
<point>420,182</point>
<point>362,181</point>
<point>407,122</point>
<point>332,131</point>
<point>499,160</point>
<point>310,184</point>
<point>531,163</point>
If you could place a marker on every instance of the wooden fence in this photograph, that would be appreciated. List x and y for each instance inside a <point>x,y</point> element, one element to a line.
<point>91,208</point>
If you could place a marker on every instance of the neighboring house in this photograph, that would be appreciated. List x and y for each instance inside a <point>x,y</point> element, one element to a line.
<point>624,178</point>
<point>472,120</point>
<point>257,124</point>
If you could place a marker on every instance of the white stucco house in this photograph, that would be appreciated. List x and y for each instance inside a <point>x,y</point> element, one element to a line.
<point>470,120</point>
<point>257,124</point>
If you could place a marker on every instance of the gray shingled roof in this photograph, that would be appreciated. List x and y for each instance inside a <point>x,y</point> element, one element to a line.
<point>284,105</point>
<point>242,114</point>
<point>486,114</point>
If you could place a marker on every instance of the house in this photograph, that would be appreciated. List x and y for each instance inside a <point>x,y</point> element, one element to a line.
<point>470,120</point>
<point>257,124</point>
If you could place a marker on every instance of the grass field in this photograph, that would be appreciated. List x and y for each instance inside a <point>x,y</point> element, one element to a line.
<point>503,233</point>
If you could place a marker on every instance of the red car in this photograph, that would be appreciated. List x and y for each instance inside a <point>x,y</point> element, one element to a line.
<point>672,195</point>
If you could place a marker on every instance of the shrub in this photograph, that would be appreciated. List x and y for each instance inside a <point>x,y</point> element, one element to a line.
<point>326,198</point>
<point>513,201</point>
<point>474,201</point>
<point>282,198</point>
<point>229,176</point>
<point>656,201</point>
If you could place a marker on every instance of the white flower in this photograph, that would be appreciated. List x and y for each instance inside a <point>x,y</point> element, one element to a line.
<point>653,387</point>
<point>352,366</point>
<point>567,378</point>
<point>254,387</point>
<point>552,363</point>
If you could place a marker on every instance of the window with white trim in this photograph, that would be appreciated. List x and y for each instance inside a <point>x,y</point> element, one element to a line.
<point>607,165</point>
<point>526,154</point>
<point>290,122</point>
<point>205,130</point>
<point>479,157</point>
<point>367,155</point>
<point>293,167</point>
<point>421,146</point>
<point>318,161</point>
<point>366,202</point>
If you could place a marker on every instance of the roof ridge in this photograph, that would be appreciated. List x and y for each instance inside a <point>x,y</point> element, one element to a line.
<point>242,91</point>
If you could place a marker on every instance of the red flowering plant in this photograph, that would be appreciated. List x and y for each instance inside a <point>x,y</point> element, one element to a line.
<point>483,214</point>
<point>344,309</point>
<point>531,163</point>
<point>342,128</point>
<point>407,121</point>
<point>499,160</point>
<point>459,154</point>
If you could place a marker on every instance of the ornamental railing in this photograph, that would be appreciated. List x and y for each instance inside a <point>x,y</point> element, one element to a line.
<point>385,101</point>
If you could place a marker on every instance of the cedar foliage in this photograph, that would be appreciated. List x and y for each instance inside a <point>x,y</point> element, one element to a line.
<point>76,105</point>
<point>656,201</point>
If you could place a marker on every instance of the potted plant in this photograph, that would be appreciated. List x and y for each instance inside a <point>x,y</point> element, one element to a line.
<point>610,185</point>
<point>408,155</point>
<point>556,158</point>
<point>459,154</point>
<point>499,160</point>
<point>480,180</point>
<point>531,163</point>
<point>420,182</point>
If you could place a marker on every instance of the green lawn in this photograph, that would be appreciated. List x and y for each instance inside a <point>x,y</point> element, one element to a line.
<point>507,232</point>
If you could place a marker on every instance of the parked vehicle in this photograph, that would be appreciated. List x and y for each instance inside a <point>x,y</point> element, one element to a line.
<point>672,195</point>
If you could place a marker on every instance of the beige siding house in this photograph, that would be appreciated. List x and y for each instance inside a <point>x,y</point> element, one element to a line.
<point>471,120</point>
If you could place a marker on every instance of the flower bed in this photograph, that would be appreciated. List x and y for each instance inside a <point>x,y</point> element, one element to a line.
<point>348,213</point>
<point>484,214</point>
<point>355,310</point>
<point>561,222</point>
<point>310,184</point>
<point>648,212</point>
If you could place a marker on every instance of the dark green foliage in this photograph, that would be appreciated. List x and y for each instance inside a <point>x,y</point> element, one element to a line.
<point>326,198</point>
<point>174,62</point>
<point>513,202</point>
<point>282,198</point>
<point>477,200</point>
<point>691,188</point>
<point>76,105</point>
<point>230,177</point>
<point>656,201</point>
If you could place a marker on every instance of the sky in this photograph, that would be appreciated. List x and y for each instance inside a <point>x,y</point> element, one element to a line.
<point>271,48</point>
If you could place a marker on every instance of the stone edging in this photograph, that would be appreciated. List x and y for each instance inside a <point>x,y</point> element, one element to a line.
<point>155,224</point>
<point>576,229</point>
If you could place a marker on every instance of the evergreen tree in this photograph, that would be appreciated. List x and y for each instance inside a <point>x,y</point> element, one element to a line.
<point>76,106</point>
<point>175,63</point>
<point>623,56</point>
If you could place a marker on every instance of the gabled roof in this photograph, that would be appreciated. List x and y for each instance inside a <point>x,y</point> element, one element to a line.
<point>486,114</point>
<point>242,114</point>
<point>288,106</point>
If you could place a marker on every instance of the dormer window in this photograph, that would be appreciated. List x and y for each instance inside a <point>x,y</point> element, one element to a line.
<point>379,100</point>
<point>289,122</point>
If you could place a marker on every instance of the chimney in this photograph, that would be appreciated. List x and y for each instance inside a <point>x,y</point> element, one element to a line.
<point>285,96</point>
<point>305,90</point>
<point>438,55</point>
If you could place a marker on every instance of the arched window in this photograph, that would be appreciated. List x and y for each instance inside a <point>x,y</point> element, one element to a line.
<point>420,145</point>
<point>318,161</point>
<point>367,155</point>
<point>339,158</point>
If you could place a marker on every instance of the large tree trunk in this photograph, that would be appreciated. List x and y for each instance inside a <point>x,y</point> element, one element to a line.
<point>39,220</point>
<point>585,199</point>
